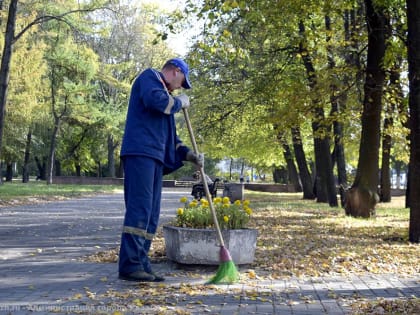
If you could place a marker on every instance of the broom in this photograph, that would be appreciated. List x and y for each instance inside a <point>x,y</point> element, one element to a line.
<point>227,272</point>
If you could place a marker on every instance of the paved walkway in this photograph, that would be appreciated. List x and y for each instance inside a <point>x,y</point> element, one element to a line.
<point>41,271</point>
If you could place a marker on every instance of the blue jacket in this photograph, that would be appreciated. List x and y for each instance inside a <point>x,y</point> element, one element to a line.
<point>150,128</point>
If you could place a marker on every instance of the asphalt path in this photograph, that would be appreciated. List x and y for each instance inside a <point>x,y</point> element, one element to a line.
<point>69,228</point>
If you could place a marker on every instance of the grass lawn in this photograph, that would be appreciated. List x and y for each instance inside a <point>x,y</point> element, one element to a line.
<point>16,192</point>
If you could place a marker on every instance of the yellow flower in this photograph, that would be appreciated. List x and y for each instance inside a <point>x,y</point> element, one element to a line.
<point>217,200</point>
<point>248,210</point>
<point>196,214</point>
<point>193,204</point>
<point>183,199</point>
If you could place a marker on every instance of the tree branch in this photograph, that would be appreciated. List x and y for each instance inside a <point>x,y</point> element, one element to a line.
<point>47,18</point>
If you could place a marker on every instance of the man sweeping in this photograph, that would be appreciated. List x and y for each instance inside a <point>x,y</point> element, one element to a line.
<point>150,149</point>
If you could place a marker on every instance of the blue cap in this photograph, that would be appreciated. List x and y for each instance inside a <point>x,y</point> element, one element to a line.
<point>181,64</point>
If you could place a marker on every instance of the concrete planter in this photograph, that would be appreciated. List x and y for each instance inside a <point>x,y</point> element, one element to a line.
<point>200,246</point>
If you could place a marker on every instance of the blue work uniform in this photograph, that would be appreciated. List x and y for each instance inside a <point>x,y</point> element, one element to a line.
<point>150,149</point>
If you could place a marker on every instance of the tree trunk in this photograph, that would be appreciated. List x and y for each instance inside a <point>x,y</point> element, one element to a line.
<point>335,98</point>
<point>9,171</point>
<point>413,40</point>
<point>57,167</point>
<point>51,155</point>
<point>5,66</point>
<point>25,168</point>
<point>99,169</point>
<point>338,153</point>
<point>280,175</point>
<point>291,168</point>
<point>352,20</point>
<point>42,168</point>
<point>324,180</point>
<point>58,116</point>
<point>241,176</point>
<point>304,174</point>
<point>397,95</point>
<point>395,90</point>
<point>78,169</point>
<point>120,169</point>
<point>362,198</point>
<point>111,156</point>
<point>385,190</point>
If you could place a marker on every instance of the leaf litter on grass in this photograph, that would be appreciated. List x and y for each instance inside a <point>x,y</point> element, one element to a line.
<point>316,241</point>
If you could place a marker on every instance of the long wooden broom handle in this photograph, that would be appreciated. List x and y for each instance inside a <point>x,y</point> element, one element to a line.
<point>203,178</point>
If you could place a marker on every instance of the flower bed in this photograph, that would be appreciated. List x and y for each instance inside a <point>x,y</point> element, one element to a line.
<point>197,214</point>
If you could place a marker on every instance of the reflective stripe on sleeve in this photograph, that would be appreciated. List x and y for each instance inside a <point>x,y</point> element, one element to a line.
<point>171,100</point>
<point>171,104</point>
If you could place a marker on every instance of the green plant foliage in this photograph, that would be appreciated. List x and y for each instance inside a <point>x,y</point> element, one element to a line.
<point>197,214</point>
<point>250,83</point>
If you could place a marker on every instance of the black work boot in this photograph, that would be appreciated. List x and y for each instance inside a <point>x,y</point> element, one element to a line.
<point>140,276</point>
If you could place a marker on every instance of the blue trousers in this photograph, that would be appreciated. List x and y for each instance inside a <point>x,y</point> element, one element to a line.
<point>142,195</point>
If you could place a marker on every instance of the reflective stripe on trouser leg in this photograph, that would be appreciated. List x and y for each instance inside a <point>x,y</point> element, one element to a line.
<point>142,193</point>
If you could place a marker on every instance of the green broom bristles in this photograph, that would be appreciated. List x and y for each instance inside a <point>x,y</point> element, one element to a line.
<point>227,272</point>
